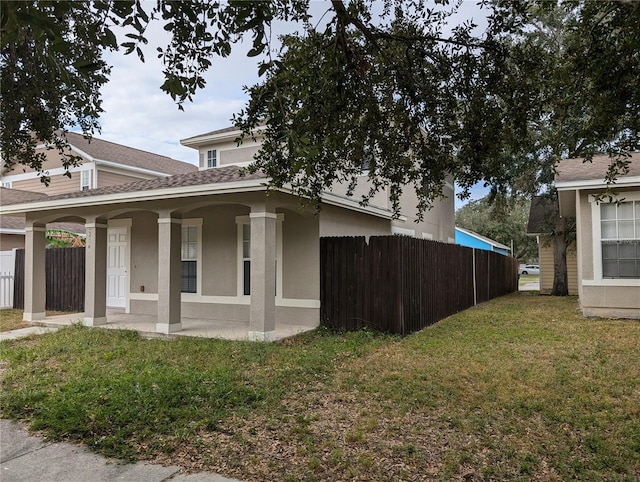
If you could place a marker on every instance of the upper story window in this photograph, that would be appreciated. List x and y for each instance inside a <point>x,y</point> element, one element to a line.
<point>85,180</point>
<point>620,233</point>
<point>6,184</point>
<point>212,158</point>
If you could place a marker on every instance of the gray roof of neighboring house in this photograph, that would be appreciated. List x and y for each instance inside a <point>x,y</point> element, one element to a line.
<point>128,156</point>
<point>209,176</point>
<point>541,214</point>
<point>576,169</point>
<point>13,196</point>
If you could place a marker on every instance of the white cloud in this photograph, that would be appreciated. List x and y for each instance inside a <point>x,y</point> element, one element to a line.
<point>138,114</point>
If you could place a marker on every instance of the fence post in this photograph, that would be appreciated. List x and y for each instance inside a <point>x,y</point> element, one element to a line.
<point>475,285</point>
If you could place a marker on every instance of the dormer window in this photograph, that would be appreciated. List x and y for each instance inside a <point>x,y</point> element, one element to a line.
<point>212,158</point>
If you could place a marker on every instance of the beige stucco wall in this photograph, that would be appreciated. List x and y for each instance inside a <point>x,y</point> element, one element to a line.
<point>545,252</point>
<point>438,221</point>
<point>11,241</point>
<point>143,251</point>
<point>336,221</point>
<point>361,189</point>
<point>240,154</point>
<point>611,301</point>
<point>301,253</point>
<point>219,248</point>
<point>228,152</point>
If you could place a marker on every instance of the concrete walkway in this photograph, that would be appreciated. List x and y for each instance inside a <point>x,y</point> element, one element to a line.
<point>192,327</point>
<point>27,458</point>
<point>22,332</point>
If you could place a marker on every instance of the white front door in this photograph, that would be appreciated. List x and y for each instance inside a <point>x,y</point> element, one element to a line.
<point>117,267</point>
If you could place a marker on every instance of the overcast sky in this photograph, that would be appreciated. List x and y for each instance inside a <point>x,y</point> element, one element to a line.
<point>138,114</point>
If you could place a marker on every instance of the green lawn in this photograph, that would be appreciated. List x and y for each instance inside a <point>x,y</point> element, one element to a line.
<point>12,319</point>
<point>518,388</point>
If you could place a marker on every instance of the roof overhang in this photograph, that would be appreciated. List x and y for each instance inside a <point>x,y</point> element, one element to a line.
<point>12,231</point>
<point>251,185</point>
<point>630,181</point>
<point>197,141</point>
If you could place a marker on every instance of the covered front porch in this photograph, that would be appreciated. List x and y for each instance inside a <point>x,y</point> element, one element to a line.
<point>117,319</point>
<point>220,259</point>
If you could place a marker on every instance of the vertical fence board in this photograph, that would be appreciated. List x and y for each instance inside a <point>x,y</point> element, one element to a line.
<point>400,284</point>
<point>64,279</point>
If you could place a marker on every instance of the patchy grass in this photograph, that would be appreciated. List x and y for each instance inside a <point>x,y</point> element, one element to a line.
<point>519,388</point>
<point>12,319</point>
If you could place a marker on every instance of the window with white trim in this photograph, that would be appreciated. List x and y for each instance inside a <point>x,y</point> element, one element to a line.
<point>212,158</point>
<point>244,255</point>
<point>85,180</point>
<point>6,184</point>
<point>246,259</point>
<point>189,282</point>
<point>620,239</point>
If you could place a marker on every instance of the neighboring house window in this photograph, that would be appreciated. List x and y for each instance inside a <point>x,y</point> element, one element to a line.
<point>85,180</point>
<point>246,259</point>
<point>6,184</point>
<point>189,259</point>
<point>212,158</point>
<point>620,232</point>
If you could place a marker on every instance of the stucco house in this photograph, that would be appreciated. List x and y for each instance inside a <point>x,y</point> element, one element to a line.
<point>607,234</point>
<point>212,244</point>
<point>471,239</point>
<point>104,164</point>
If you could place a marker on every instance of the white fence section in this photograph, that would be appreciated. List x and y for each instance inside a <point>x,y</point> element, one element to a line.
<point>6,290</point>
<point>7,267</point>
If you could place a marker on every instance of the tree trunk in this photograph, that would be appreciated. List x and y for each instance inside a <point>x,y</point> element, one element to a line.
<point>560,278</point>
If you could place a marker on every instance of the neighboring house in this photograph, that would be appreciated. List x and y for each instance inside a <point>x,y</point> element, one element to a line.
<point>607,234</point>
<point>541,220</point>
<point>212,244</point>
<point>104,164</point>
<point>471,239</point>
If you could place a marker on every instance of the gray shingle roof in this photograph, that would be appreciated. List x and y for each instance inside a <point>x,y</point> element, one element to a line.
<point>576,170</point>
<point>128,156</point>
<point>209,176</point>
<point>12,196</point>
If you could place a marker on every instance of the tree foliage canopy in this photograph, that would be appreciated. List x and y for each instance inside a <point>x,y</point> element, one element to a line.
<point>503,220</point>
<point>388,84</point>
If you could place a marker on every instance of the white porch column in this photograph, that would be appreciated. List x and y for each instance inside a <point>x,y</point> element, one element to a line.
<point>95,287</point>
<point>262,315</point>
<point>35,293</point>
<point>169,273</point>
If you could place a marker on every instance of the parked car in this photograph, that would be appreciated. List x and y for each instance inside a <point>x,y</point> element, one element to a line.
<point>530,269</point>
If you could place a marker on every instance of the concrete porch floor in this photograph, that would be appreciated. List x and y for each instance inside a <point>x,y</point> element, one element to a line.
<point>117,319</point>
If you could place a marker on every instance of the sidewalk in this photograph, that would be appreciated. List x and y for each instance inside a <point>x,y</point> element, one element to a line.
<point>27,458</point>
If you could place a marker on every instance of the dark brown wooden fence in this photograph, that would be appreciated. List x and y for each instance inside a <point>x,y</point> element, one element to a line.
<point>64,269</point>
<point>400,284</point>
